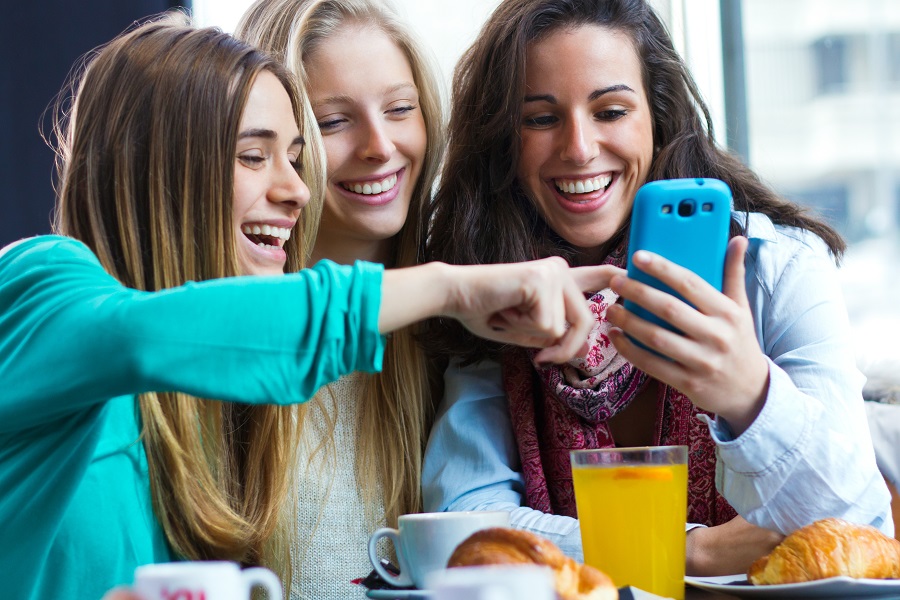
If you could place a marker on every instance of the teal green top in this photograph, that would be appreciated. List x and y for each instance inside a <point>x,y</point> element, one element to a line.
<point>76,346</point>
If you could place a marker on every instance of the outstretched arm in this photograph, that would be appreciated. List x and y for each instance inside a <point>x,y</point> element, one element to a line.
<point>536,304</point>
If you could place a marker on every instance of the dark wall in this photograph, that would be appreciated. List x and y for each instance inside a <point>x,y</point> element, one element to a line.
<point>40,40</point>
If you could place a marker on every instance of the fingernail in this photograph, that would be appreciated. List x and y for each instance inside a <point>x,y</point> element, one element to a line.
<point>641,256</point>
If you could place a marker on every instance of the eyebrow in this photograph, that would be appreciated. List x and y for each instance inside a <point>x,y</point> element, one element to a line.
<point>268,134</point>
<point>619,87</point>
<point>347,99</point>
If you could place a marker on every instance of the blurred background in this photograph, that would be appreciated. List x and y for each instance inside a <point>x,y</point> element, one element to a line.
<point>806,91</point>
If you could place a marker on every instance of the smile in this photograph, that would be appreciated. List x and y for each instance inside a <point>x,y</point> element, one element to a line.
<point>266,236</point>
<point>371,188</point>
<point>583,186</point>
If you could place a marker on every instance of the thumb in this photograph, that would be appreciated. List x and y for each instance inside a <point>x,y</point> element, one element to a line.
<point>733,279</point>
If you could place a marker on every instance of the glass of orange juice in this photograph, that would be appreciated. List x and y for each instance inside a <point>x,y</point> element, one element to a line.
<point>632,506</point>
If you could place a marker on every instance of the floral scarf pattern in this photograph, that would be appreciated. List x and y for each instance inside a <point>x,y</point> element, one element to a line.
<point>567,407</point>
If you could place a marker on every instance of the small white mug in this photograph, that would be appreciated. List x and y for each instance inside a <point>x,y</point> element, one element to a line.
<point>203,580</point>
<point>501,582</point>
<point>425,541</point>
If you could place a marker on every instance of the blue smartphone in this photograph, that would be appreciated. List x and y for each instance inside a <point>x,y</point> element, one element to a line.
<point>685,221</point>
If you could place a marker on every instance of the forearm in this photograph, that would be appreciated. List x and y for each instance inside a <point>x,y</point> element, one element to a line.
<point>73,336</point>
<point>808,454</point>
<point>412,294</point>
<point>801,461</point>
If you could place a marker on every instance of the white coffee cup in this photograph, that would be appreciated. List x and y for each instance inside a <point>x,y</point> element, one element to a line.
<point>506,582</point>
<point>203,580</point>
<point>425,541</point>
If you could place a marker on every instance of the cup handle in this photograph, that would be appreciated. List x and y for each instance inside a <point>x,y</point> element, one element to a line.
<point>260,577</point>
<point>402,580</point>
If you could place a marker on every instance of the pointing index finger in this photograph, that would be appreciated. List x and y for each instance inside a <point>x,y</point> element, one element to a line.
<point>591,279</point>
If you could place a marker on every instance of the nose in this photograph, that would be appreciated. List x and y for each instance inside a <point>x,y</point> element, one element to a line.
<point>578,145</point>
<point>376,145</point>
<point>288,188</point>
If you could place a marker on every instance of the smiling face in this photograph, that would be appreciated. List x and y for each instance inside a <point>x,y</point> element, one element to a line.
<point>367,106</point>
<point>268,191</point>
<point>587,133</point>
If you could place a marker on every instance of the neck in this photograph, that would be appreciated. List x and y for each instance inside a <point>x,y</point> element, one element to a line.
<point>594,255</point>
<point>346,252</point>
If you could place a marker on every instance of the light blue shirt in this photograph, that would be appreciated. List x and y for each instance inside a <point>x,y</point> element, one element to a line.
<point>807,456</point>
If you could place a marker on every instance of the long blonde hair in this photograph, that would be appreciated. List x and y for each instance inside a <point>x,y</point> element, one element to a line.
<point>145,170</point>
<point>395,406</point>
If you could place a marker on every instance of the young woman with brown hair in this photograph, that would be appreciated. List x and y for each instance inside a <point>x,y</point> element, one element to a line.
<point>561,110</point>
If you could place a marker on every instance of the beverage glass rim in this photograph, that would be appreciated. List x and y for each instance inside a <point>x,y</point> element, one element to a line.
<point>628,449</point>
<point>677,452</point>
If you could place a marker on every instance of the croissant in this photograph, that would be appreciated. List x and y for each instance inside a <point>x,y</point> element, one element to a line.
<point>829,548</point>
<point>504,546</point>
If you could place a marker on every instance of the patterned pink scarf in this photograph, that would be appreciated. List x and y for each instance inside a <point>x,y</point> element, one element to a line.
<point>566,407</point>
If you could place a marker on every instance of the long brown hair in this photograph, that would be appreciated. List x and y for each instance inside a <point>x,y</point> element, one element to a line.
<point>481,214</point>
<point>146,169</point>
<point>395,406</point>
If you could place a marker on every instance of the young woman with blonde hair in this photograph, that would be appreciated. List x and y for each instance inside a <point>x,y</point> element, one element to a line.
<point>376,100</point>
<point>151,351</point>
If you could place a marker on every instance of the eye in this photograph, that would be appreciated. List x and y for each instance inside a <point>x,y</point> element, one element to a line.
<point>253,161</point>
<point>540,121</point>
<point>330,124</point>
<point>399,111</point>
<point>611,114</point>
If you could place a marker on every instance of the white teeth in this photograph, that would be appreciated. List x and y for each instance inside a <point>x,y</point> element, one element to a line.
<point>582,186</point>
<point>282,233</point>
<point>372,188</point>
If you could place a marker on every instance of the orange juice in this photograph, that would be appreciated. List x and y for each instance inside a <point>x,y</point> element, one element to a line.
<point>633,523</point>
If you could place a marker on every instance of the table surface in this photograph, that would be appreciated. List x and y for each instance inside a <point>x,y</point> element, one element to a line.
<point>692,593</point>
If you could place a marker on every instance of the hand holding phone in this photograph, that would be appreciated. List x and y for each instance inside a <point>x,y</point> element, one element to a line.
<point>685,221</point>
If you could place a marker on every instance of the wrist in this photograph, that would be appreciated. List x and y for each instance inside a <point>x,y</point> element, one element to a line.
<point>696,558</point>
<point>442,283</point>
<point>740,420</point>
<point>412,294</point>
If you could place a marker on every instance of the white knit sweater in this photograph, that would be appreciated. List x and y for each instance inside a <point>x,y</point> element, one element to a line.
<point>331,546</point>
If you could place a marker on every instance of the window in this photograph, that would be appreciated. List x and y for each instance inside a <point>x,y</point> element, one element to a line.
<point>823,111</point>
<point>830,55</point>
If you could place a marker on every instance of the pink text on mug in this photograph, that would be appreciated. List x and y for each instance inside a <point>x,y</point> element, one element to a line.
<point>203,580</point>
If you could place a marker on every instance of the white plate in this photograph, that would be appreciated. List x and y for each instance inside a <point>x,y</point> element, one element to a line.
<point>630,592</point>
<point>835,587</point>
<point>399,594</point>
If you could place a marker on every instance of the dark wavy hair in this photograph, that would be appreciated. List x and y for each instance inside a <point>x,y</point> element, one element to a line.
<point>481,214</point>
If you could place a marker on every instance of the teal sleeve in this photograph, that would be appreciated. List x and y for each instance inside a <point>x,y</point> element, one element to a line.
<point>72,336</point>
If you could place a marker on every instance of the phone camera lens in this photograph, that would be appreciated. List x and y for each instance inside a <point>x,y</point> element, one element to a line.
<point>686,208</point>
